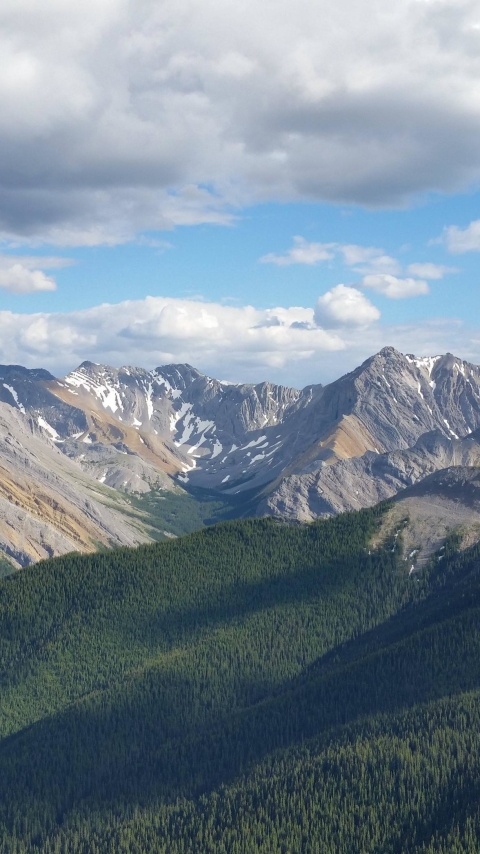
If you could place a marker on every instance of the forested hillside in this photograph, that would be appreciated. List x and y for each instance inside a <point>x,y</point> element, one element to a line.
<point>252,688</point>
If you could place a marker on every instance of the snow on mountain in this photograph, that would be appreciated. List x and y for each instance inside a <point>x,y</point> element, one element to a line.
<point>299,453</point>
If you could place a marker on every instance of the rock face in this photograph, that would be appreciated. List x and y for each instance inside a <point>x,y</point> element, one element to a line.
<point>206,432</point>
<point>296,454</point>
<point>358,482</point>
<point>48,506</point>
<point>239,437</point>
<point>444,502</point>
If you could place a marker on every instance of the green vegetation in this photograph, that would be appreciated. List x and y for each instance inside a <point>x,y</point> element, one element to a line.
<point>6,568</point>
<point>183,512</point>
<point>252,688</point>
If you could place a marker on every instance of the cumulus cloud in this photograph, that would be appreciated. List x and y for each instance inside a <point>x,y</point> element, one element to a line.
<point>394,288</point>
<point>158,330</point>
<point>284,344</point>
<point>302,252</point>
<point>344,306</point>
<point>379,270</point>
<point>121,117</point>
<point>20,274</point>
<point>18,279</point>
<point>461,240</point>
<point>364,259</point>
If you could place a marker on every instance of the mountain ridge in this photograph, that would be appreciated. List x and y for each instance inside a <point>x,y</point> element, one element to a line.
<point>298,454</point>
<point>254,687</point>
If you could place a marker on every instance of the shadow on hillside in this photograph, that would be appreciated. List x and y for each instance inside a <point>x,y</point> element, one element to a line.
<point>147,742</point>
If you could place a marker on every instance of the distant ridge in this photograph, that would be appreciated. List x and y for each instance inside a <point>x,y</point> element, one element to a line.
<point>297,454</point>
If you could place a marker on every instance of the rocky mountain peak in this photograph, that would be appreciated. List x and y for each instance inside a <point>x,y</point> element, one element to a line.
<point>380,428</point>
<point>25,374</point>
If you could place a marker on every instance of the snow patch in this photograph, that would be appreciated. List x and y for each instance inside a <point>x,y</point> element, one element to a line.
<point>450,429</point>
<point>176,416</point>
<point>108,396</point>
<point>187,426</point>
<point>254,443</point>
<point>257,457</point>
<point>15,397</point>
<point>426,362</point>
<point>217,449</point>
<point>205,426</point>
<point>173,392</point>
<point>149,401</point>
<point>49,429</point>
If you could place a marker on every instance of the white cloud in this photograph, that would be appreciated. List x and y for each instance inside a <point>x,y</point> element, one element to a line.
<point>379,270</point>
<point>369,259</point>
<point>301,252</point>
<point>394,288</point>
<point>365,259</point>
<point>21,274</point>
<point>344,306</point>
<point>460,240</point>
<point>18,279</point>
<point>283,344</point>
<point>35,262</point>
<point>157,330</point>
<point>430,271</point>
<point>119,117</point>
<point>353,254</point>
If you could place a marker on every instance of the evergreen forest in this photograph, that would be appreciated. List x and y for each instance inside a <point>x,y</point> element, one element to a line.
<point>249,688</point>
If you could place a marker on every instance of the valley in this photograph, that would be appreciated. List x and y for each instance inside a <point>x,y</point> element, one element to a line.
<point>87,460</point>
<point>287,661</point>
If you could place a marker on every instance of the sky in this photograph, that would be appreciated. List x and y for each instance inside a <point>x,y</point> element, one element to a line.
<point>269,190</point>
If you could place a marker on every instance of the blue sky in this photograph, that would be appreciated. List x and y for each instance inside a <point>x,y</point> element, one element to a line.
<point>261,190</point>
<point>218,263</point>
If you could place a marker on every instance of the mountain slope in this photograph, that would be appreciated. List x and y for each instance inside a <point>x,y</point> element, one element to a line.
<point>323,489</point>
<point>238,437</point>
<point>48,505</point>
<point>261,449</point>
<point>253,687</point>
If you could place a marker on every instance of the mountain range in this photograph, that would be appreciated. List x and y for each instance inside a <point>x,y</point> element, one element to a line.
<point>81,455</point>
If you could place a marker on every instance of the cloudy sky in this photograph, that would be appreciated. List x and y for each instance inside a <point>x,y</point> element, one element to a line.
<point>263,189</point>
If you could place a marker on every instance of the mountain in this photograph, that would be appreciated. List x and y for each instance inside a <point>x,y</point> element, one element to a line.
<point>239,437</point>
<point>133,438</point>
<point>48,505</point>
<point>253,687</point>
<point>322,489</point>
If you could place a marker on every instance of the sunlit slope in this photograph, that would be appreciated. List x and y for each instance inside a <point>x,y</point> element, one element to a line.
<point>252,687</point>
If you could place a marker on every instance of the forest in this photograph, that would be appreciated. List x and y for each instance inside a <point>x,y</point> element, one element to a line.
<point>250,688</point>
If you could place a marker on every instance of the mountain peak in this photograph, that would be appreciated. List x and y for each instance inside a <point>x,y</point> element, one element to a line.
<point>388,352</point>
<point>87,365</point>
<point>313,452</point>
